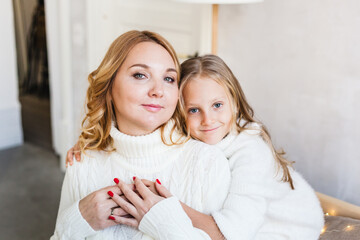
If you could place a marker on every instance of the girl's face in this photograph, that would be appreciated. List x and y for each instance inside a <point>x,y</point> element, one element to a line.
<point>145,90</point>
<point>208,109</point>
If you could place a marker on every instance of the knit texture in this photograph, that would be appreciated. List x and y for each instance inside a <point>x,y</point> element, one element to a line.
<point>190,171</point>
<point>167,220</point>
<point>259,204</point>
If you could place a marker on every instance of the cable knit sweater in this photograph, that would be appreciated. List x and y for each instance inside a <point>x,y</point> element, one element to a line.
<point>190,171</point>
<point>259,206</point>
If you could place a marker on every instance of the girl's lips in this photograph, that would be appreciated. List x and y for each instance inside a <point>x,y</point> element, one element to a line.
<point>209,130</point>
<point>152,107</point>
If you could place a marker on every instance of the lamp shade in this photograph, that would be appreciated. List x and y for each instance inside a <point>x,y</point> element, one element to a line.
<point>218,1</point>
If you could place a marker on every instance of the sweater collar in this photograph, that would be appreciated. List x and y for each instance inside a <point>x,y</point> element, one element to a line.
<point>143,146</point>
<point>226,142</point>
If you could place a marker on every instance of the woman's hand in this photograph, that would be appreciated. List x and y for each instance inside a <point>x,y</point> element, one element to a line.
<point>97,207</point>
<point>75,150</point>
<point>140,201</point>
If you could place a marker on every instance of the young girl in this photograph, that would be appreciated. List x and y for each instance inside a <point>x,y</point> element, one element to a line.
<point>267,199</point>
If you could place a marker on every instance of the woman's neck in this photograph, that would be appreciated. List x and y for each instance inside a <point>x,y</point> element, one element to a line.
<point>131,131</point>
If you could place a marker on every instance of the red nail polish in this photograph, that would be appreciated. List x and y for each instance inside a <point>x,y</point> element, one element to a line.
<point>134,178</point>
<point>116,180</point>
<point>111,218</point>
<point>158,181</point>
<point>111,194</point>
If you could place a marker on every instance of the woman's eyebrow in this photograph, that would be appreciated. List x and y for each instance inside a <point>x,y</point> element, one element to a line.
<point>147,67</point>
<point>140,65</point>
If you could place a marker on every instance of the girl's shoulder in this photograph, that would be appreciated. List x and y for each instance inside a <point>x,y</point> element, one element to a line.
<point>248,140</point>
<point>204,154</point>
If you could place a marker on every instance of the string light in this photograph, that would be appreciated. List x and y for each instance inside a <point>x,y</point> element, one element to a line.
<point>348,228</point>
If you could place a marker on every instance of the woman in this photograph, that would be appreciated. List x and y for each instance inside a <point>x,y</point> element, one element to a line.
<point>126,133</point>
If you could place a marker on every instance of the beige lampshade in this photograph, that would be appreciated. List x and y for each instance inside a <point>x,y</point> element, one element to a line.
<point>218,1</point>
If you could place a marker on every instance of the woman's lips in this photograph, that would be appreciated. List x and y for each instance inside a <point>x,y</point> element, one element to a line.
<point>152,107</point>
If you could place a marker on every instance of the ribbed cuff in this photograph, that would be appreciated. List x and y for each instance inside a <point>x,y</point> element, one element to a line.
<point>74,225</point>
<point>164,213</point>
<point>222,224</point>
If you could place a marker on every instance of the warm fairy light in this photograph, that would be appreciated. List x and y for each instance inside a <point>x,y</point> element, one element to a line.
<point>348,228</point>
<point>333,212</point>
<point>327,214</point>
<point>323,230</point>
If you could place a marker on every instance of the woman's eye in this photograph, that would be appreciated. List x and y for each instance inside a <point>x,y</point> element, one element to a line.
<point>217,105</point>
<point>139,76</point>
<point>193,110</point>
<point>169,79</point>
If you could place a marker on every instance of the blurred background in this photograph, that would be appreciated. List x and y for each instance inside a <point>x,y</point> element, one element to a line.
<point>297,62</point>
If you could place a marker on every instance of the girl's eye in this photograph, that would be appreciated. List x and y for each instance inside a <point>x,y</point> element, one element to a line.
<point>139,76</point>
<point>217,105</point>
<point>169,79</point>
<point>193,110</point>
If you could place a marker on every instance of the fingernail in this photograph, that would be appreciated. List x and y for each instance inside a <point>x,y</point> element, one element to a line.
<point>111,218</point>
<point>158,181</point>
<point>116,180</point>
<point>134,178</point>
<point>111,194</point>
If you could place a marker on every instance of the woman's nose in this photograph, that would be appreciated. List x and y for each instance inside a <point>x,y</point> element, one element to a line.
<point>157,89</point>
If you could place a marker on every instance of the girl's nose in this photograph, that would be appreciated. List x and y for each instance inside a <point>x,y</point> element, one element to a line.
<point>206,119</point>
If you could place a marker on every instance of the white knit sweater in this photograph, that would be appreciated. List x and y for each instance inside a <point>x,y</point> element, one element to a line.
<point>259,206</point>
<point>190,171</point>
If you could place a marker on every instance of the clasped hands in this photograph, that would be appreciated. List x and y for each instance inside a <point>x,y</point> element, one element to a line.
<point>122,204</point>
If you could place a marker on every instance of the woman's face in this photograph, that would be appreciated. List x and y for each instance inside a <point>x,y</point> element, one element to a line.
<point>145,90</point>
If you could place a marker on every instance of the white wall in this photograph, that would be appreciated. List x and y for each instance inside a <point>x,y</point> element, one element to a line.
<point>76,30</point>
<point>10,118</point>
<point>298,62</point>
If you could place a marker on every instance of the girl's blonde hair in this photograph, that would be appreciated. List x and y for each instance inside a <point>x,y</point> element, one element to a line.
<point>213,67</point>
<point>95,132</point>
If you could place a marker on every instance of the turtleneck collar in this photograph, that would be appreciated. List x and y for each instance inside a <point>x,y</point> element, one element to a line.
<point>137,146</point>
<point>146,151</point>
<point>226,142</point>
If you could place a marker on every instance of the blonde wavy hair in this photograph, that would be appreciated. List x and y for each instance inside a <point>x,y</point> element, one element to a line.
<point>95,132</point>
<point>213,67</point>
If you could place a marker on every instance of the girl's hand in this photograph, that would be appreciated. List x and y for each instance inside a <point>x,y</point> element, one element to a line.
<point>139,204</point>
<point>163,191</point>
<point>97,207</point>
<point>75,150</point>
<point>150,185</point>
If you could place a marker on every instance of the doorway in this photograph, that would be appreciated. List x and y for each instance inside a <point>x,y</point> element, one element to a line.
<point>33,74</point>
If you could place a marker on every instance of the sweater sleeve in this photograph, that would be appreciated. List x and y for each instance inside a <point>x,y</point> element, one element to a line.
<point>69,223</point>
<point>253,185</point>
<point>168,220</point>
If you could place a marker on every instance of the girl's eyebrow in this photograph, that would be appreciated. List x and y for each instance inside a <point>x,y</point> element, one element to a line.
<point>147,67</point>
<point>213,100</point>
